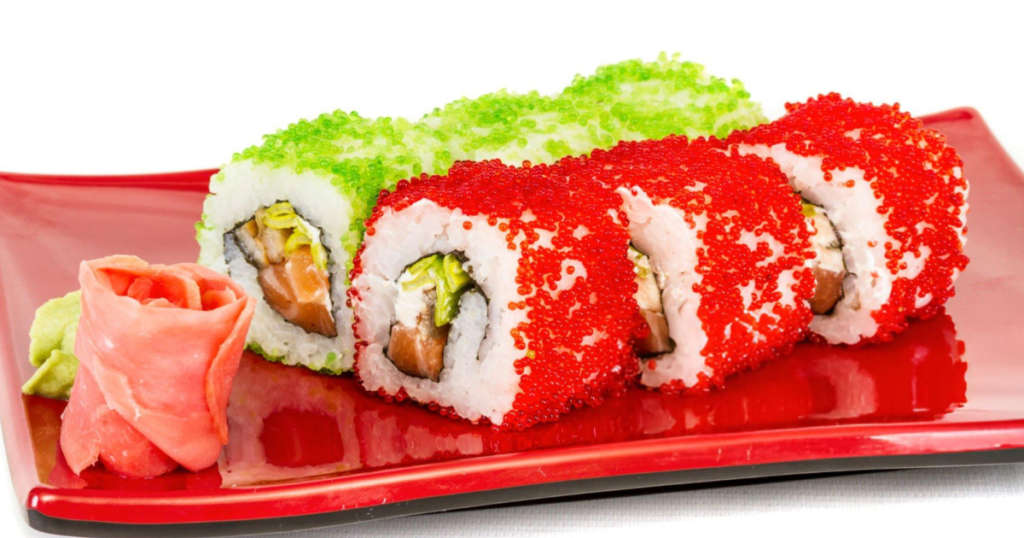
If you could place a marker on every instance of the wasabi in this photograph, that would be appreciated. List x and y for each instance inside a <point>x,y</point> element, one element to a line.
<point>52,347</point>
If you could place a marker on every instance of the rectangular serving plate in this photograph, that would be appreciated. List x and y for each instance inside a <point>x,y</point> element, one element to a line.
<point>308,450</point>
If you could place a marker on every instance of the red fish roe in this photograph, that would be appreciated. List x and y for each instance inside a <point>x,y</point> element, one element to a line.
<point>917,178</point>
<point>736,196</point>
<point>560,367</point>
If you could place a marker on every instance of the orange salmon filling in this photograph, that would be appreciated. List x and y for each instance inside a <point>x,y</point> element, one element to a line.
<point>419,351</point>
<point>292,284</point>
<point>654,340</point>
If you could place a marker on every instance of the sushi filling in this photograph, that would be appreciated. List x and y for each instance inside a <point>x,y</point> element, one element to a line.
<point>291,264</point>
<point>428,312</point>
<point>648,298</point>
<point>828,266</point>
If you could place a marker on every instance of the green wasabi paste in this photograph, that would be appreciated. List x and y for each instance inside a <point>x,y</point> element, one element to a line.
<point>52,347</point>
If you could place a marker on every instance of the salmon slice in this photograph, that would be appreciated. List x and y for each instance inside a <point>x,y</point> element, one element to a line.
<point>657,341</point>
<point>828,290</point>
<point>298,290</point>
<point>293,286</point>
<point>419,351</point>
<point>828,267</point>
<point>648,298</point>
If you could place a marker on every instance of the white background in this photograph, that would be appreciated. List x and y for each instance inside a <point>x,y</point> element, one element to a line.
<point>96,88</point>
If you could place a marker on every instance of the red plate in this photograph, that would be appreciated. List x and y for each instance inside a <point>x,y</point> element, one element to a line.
<point>309,450</point>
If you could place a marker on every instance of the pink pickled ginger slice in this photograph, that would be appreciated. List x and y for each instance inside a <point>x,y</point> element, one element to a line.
<point>160,345</point>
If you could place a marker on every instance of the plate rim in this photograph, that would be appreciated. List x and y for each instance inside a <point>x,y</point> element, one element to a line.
<point>639,484</point>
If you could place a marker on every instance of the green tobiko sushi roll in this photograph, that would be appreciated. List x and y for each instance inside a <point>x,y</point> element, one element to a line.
<point>285,218</point>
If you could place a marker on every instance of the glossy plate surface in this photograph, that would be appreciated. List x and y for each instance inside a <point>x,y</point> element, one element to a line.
<point>310,450</point>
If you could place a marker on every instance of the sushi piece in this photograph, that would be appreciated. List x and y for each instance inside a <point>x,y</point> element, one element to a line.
<point>496,294</point>
<point>888,201</point>
<point>146,400</point>
<point>720,248</point>
<point>285,218</point>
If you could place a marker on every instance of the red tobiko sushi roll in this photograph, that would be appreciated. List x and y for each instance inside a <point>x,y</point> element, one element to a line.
<point>496,294</point>
<point>720,250</point>
<point>888,202</point>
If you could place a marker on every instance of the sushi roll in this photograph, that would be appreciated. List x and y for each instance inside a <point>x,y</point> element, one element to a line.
<point>720,248</point>
<point>887,199</point>
<point>495,294</point>
<point>284,219</point>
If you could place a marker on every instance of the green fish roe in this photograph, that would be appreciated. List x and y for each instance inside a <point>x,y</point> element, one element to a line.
<point>631,100</point>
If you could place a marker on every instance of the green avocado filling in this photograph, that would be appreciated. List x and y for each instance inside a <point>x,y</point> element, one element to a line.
<point>52,347</point>
<point>449,279</point>
<point>641,263</point>
<point>282,216</point>
<point>809,210</point>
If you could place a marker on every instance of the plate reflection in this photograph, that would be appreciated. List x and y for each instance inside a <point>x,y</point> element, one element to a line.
<point>289,424</point>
